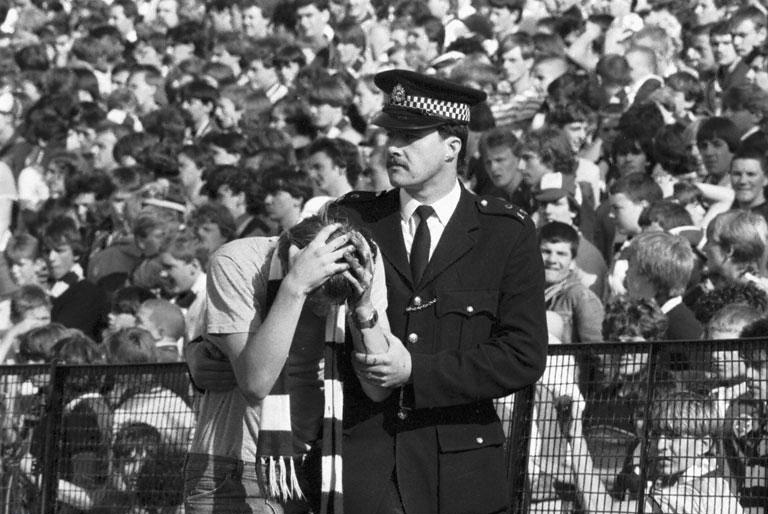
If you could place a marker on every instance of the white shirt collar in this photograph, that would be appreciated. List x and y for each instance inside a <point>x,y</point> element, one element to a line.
<point>444,207</point>
<point>199,286</point>
<point>671,304</point>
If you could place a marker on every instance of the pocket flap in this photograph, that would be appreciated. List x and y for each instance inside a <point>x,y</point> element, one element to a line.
<point>459,438</point>
<point>467,302</point>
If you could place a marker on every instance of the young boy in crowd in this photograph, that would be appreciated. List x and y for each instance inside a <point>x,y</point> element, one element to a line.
<point>683,428</point>
<point>165,321</point>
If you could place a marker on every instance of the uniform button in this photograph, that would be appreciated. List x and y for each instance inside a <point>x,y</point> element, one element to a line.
<point>470,309</point>
<point>479,440</point>
<point>483,202</point>
<point>401,414</point>
<point>417,300</point>
<point>413,338</point>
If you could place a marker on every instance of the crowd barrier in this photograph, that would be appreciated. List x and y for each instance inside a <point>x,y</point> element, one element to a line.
<point>640,427</point>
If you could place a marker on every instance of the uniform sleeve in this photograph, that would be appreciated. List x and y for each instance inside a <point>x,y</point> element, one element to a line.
<point>514,355</point>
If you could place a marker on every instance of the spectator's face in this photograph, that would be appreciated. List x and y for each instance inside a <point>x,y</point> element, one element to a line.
<point>532,168</point>
<point>542,76</point>
<point>324,172</point>
<point>210,235</point>
<point>180,52</point>
<point>501,166</point>
<point>742,118</point>
<point>705,12</point>
<point>557,210</point>
<point>143,91</point>
<point>699,53</point>
<point>120,79</point>
<point>722,49</point>
<point>233,202</point>
<point>61,259</point>
<point>121,320</point>
<point>150,244</point>
<point>198,110</point>
<point>119,20</point>
<point>38,316</point>
<point>102,151</point>
<point>29,271</point>
<point>168,13</point>
<point>220,54</point>
<point>676,453</point>
<point>310,21</point>
<point>222,157</point>
<point>727,364</point>
<point>226,113</point>
<point>576,133</point>
<point>558,261</point>
<point>177,276</point>
<point>757,379</point>
<point>358,9</point>
<point>261,76</point>
<point>144,320</point>
<point>189,173</point>
<point>748,181</point>
<point>630,364</point>
<point>324,116</point>
<point>128,469</point>
<point>84,202</point>
<point>146,54</point>
<point>631,162</point>
<point>282,207</point>
<point>626,213</point>
<point>288,72</point>
<point>515,66</point>
<point>255,25</point>
<point>716,156</point>
<point>438,8</point>
<point>221,20</point>
<point>719,263</point>
<point>746,37</point>
<point>368,102</point>
<point>348,53</point>
<point>502,19</point>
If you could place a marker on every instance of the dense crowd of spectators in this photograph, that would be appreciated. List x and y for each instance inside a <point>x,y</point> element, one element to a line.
<point>137,137</point>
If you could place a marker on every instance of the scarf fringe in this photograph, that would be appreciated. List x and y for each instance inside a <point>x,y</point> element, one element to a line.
<point>282,481</point>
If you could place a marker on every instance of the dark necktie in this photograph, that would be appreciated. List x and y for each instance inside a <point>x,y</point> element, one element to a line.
<point>421,243</point>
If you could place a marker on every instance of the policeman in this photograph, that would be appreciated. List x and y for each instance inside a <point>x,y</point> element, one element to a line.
<point>466,306</point>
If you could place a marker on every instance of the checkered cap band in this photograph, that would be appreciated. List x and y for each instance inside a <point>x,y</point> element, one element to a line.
<point>449,110</point>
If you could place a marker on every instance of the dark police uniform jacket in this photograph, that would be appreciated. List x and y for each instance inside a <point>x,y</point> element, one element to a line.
<point>476,329</point>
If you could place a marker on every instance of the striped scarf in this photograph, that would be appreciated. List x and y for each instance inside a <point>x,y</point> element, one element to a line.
<point>275,448</point>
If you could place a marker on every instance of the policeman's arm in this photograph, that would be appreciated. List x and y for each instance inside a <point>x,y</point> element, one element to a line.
<point>514,355</point>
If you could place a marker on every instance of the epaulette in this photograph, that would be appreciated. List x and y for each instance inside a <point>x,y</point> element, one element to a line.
<point>358,197</point>
<point>498,207</point>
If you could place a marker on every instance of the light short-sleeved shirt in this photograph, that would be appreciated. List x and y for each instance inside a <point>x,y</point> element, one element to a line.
<point>236,295</point>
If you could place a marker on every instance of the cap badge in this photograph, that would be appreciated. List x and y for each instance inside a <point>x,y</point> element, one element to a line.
<point>398,94</point>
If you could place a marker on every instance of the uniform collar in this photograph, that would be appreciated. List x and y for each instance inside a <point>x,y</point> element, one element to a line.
<point>444,207</point>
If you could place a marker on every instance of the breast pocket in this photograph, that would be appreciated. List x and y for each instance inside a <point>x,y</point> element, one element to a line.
<point>465,317</point>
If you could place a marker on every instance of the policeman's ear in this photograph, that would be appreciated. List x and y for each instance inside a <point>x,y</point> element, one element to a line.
<point>452,148</point>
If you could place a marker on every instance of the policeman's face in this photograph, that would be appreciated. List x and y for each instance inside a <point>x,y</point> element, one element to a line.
<point>417,161</point>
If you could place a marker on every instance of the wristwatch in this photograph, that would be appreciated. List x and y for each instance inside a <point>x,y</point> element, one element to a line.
<point>366,323</point>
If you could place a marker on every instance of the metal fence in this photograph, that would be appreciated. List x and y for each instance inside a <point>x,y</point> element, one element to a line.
<point>640,427</point>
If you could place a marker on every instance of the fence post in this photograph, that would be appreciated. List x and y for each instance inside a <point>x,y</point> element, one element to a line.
<point>645,439</point>
<point>54,408</point>
<point>517,449</point>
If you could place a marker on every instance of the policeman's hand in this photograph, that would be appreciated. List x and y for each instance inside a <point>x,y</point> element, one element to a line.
<point>390,369</point>
<point>317,261</point>
<point>210,368</point>
<point>360,272</point>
